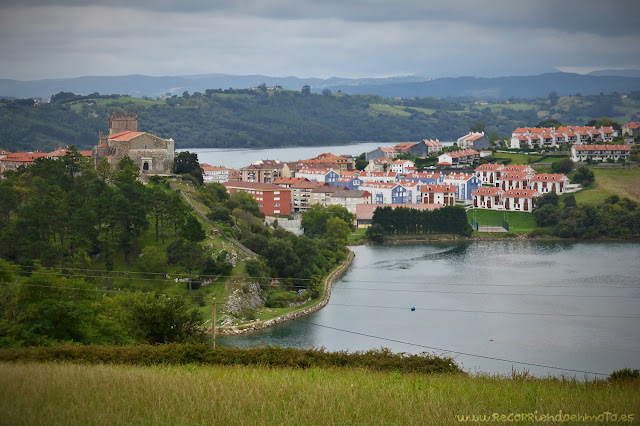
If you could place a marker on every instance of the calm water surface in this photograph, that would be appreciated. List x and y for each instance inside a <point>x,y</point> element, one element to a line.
<point>237,158</point>
<point>573,305</point>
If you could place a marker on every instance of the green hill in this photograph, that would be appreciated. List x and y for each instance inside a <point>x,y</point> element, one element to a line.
<point>275,118</point>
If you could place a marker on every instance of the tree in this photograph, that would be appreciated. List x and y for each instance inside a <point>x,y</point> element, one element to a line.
<point>553,98</point>
<point>376,233</point>
<point>478,126</point>
<point>563,166</point>
<point>306,90</point>
<point>584,176</point>
<point>337,231</point>
<point>187,163</point>
<point>326,92</point>
<point>547,215</point>
<point>192,229</point>
<point>188,254</point>
<point>161,319</point>
<point>548,198</point>
<point>570,202</point>
<point>244,201</point>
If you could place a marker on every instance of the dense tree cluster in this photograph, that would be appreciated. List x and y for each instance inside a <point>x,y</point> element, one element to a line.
<point>402,220</point>
<point>615,218</point>
<point>45,307</point>
<point>64,213</point>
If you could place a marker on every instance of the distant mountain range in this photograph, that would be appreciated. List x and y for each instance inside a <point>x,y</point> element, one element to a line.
<point>622,81</point>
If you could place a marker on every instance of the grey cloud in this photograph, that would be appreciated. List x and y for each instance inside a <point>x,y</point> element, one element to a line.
<point>614,17</point>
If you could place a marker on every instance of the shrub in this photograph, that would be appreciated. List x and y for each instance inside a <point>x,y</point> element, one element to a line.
<point>272,356</point>
<point>625,374</point>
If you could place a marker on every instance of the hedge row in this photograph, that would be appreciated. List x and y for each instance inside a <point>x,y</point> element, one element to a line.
<point>271,356</point>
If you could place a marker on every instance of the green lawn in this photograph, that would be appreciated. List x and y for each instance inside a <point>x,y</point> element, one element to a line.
<point>519,222</point>
<point>621,182</point>
<point>518,158</point>
<point>357,237</point>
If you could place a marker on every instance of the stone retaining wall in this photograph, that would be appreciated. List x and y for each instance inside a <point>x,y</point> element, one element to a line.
<point>259,325</point>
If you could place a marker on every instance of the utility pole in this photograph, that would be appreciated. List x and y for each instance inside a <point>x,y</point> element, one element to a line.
<point>213,325</point>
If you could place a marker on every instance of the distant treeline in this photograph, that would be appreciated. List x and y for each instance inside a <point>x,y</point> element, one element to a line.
<point>273,118</point>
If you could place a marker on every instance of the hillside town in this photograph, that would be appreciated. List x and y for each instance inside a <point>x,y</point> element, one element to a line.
<point>462,175</point>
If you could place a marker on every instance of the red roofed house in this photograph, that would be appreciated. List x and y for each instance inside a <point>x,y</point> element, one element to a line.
<point>215,174</point>
<point>403,166</point>
<point>580,153</point>
<point>272,199</point>
<point>459,158</point>
<point>514,180</point>
<point>152,154</point>
<point>489,173</point>
<point>488,198</point>
<point>517,168</point>
<point>545,183</point>
<point>473,140</point>
<point>286,182</point>
<point>631,129</point>
<point>520,200</point>
<point>264,171</point>
<point>18,159</point>
<point>61,152</point>
<point>439,194</point>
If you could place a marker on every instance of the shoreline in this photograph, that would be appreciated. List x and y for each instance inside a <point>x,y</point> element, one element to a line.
<point>322,302</point>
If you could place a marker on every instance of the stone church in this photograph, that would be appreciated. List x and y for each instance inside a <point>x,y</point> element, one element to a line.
<point>154,155</point>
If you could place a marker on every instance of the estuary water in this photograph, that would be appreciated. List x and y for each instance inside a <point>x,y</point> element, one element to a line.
<point>235,158</point>
<point>546,307</point>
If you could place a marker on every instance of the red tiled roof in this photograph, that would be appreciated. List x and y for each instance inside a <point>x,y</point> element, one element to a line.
<point>602,147</point>
<point>487,191</point>
<point>514,176</point>
<point>254,185</point>
<point>438,188</point>
<point>387,185</point>
<point>125,136</point>
<point>526,193</point>
<point>489,167</point>
<point>289,180</point>
<point>546,177</point>
<point>434,175</point>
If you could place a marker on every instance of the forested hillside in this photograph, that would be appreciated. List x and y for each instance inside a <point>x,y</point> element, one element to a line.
<point>275,118</point>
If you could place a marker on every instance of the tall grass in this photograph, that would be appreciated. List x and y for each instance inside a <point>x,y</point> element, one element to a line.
<point>47,393</point>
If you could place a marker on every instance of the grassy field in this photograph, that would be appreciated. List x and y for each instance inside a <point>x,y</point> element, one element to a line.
<point>621,182</point>
<point>390,109</point>
<point>518,221</point>
<point>518,158</point>
<point>43,394</point>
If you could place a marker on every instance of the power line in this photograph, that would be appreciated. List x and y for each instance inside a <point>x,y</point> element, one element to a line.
<point>114,274</point>
<point>455,352</point>
<point>482,293</point>
<point>486,312</point>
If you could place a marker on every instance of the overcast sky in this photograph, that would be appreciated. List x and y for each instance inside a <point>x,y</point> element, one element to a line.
<point>316,38</point>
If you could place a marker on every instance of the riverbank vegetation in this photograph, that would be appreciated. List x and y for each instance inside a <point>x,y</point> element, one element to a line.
<point>34,393</point>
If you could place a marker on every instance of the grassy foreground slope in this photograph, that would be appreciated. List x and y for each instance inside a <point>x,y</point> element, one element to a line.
<point>105,394</point>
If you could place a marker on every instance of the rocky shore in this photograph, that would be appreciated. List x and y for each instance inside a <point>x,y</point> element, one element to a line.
<point>260,325</point>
